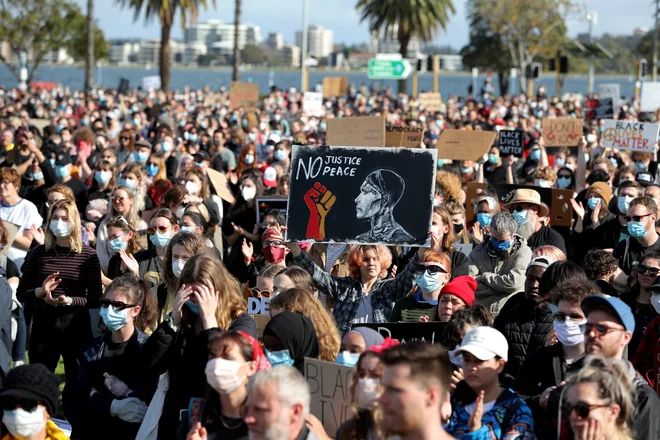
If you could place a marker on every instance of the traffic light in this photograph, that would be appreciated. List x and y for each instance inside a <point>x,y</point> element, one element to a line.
<point>642,68</point>
<point>429,63</point>
<point>552,64</point>
<point>533,70</point>
<point>419,65</point>
<point>563,64</point>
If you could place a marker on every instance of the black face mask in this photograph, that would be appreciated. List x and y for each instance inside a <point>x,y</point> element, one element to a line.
<point>458,228</point>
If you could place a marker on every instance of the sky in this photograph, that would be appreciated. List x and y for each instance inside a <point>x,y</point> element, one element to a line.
<point>340,16</point>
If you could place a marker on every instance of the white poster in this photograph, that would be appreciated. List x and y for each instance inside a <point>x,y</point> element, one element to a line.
<point>151,83</point>
<point>611,90</point>
<point>650,96</point>
<point>628,135</point>
<point>313,104</point>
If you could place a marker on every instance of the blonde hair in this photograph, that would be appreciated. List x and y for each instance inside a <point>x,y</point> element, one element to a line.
<point>162,168</point>
<point>549,251</point>
<point>132,217</point>
<point>75,236</point>
<point>546,173</point>
<point>140,191</point>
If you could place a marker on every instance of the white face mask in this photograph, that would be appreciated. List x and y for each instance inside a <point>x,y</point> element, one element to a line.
<point>192,188</point>
<point>569,332</point>
<point>222,375</point>
<point>591,138</point>
<point>177,267</point>
<point>60,228</point>
<point>248,192</point>
<point>367,392</point>
<point>542,183</point>
<point>25,424</point>
<point>655,302</point>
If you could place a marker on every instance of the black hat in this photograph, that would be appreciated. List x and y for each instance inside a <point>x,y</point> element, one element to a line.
<point>63,158</point>
<point>33,382</point>
<point>201,155</point>
<point>644,178</point>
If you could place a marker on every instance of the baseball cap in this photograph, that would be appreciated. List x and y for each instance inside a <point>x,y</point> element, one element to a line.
<point>644,178</point>
<point>270,177</point>
<point>485,343</point>
<point>273,138</point>
<point>620,309</point>
<point>63,158</point>
<point>541,261</point>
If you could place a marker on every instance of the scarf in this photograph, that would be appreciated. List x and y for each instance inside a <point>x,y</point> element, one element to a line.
<point>53,432</point>
<point>297,334</point>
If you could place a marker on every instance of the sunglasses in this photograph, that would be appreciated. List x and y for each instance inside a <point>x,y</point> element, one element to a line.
<point>10,403</point>
<point>256,293</point>
<point>601,330</point>
<point>117,305</point>
<point>582,409</point>
<point>653,271</point>
<point>433,269</point>
<point>161,229</point>
<point>118,199</point>
<point>636,218</point>
<point>519,208</point>
<point>124,138</point>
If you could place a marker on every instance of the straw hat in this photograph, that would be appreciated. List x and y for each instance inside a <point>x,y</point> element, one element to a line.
<point>523,195</point>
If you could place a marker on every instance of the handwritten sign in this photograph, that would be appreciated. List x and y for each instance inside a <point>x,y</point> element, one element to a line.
<point>464,144</point>
<point>365,131</point>
<point>599,109</point>
<point>628,135</point>
<point>430,101</point>
<point>562,132</point>
<point>511,142</point>
<point>334,86</point>
<point>244,95</point>
<point>650,96</point>
<point>403,136</point>
<point>313,104</point>
<point>329,388</point>
<point>151,83</point>
<point>406,332</point>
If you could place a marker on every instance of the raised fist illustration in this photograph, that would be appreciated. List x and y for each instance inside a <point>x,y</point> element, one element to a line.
<point>319,200</point>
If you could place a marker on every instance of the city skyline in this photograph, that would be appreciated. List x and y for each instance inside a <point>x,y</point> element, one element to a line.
<point>342,19</point>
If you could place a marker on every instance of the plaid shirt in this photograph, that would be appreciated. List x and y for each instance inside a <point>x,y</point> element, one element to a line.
<point>347,291</point>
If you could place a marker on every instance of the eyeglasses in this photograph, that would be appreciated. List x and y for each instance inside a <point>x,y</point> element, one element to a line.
<point>565,176</point>
<point>118,305</point>
<point>10,403</point>
<point>256,293</point>
<point>642,269</point>
<point>562,317</point>
<point>124,138</point>
<point>582,409</point>
<point>636,218</point>
<point>278,243</point>
<point>432,269</point>
<point>116,199</point>
<point>601,330</point>
<point>161,229</point>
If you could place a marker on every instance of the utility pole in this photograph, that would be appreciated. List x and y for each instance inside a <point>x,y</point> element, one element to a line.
<point>303,67</point>
<point>591,18</point>
<point>655,41</point>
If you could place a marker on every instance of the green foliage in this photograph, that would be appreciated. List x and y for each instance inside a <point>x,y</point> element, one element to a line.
<point>77,47</point>
<point>252,54</point>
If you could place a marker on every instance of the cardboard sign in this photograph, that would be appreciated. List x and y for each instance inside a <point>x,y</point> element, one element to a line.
<point>244,95</point>
<point>403,136</point>
<point>151,83</point>
<point>599,109</point>
<point>313,104</point>
<point>123,86</point>
<point>628,135</point>
<point>430,101</point>
<point>219,182</point>
<point>406,332</point>
<point>511,142</point>
<point>364,131</point>
<point>464,144</point>
<point>267,203</point>
<point>361,195</point>
<point>650,96</point>
<point>329,387</point>
<point>258,306</point>
<point>335,86</point>
<point>612,91</point>
<point>562,132</point>
<point>261,321</point>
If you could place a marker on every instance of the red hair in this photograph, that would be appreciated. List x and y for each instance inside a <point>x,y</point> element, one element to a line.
<point>356,258</point>
<point>431,256</point>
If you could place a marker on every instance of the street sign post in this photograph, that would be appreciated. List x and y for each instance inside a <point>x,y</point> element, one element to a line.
<point>388,69</point>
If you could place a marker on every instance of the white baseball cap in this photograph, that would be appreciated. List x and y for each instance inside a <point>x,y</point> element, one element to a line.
<point>274,138</point>
<point>485,343</point>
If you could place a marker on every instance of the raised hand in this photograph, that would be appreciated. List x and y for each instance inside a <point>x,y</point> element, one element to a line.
<point>578,208</point>
<point>456,378</point>
<point>179,300</point>
<point>38,234</point>
<point>207,299</point>
<point>130,262</point>
<point>477,232</point>
<point>247,250</point>
<point>319,201</point>
<point>475,420</point>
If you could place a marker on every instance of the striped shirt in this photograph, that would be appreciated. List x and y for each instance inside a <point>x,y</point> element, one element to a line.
<point>80,274</point>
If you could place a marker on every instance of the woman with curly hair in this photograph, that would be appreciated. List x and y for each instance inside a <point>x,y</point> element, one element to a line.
<point>447,186</point>
<point>545,177</point>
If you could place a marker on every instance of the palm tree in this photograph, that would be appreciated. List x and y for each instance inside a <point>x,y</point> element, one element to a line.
<point>237,53</point>
<point>405,19</point>
<point>89,59</point>
<point>166,11</point>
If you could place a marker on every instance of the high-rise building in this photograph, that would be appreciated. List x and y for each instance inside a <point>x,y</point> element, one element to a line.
<point>149,52</point>
<point>123,52</point>
<point>289,55</point>
<point>275,40</point>
<point>319,41</point>
<point>385,41</point>
<point>219,36</point>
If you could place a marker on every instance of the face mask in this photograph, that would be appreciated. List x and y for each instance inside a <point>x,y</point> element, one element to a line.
<point>274,254</point>
<point>640,166</point>
<point>192,188</point>
<point>535,155</point>
<point>152,170</point>
<point>177,267</point>
<point>569,333</point>
<point>500,246</point>
<point>24,424</point>
<point>222,375</point>
<point>248,193</point>
<point>593,202</point>
<point>113,319</point>
<point>103,177</point>
<point>249,159</point>
<point>560,162</point>
<point>194,308</point>
<point>38,176</point>
<point>367,392</point>
<point>279,155</point>
<point>655,302</point>
<point>141,156</point>
<point>129,183</point>
<point>52,162</point>
<point>61,171</point>
<point>564,182</point>
<point>591,138</point>
<point>483,218</point>
<point>441,163</point>
<point>160,240</point>
<point>118,245</point>
<point>347,358</point>
<point>456,358</point>
<point>60,228</point>
<point>281,357</point>
<point>493,158</point>
<point>614,162</point>
<point>427,283</point>
<point>458,228</point>
<point>637,229</point>
<point>623,204</point>
<point>187,229</point>
<point>542,183</point>
<point>586,157</point>
<point>252,136</point>
<point>166,147</point>
<point>570,166</point>
<point>466,170</point>
<point>193,137</point>
<point>520,216</point>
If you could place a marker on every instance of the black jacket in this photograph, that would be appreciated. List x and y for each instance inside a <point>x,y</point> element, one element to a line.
<point>525,329</point>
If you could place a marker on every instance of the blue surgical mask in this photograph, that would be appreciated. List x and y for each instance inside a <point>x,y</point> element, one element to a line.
<point>252,136</point>
<point>624,204</point>
<point>560,162</point>
<point>484,218</point>
<point>103,177</point>
<point>187,229</point>
<point>637,229</point>
<point>614,162</point>
<point>136,121</point>
<point>493,158</point>
<point>535,155</point>
<point>466,170</point>
<point>563,182</point>
<point>194,308</point>
<point>520,216</point>
<point>84,121</point>
<point>152,170</point>
<point>322,126</point>
<point>129,183</point>
<point>52,162</point>
<point>281,357</point>
<point>500,246</point>
<point>166,147</point>
<point>160,240</point>
<point>118,244</point>
<point>586,157</point>
<point>427,283</point>
<point>249,159</point>
<point>279,155</point>
<point>347,358</point>
<point>441,163</point>
<point>59,127</point>
<point>592,202</point>
<point>141,156</point>
<point>114,319</point>
<point>640,166</point>
<point>38,176</point>
<point>61,171</point>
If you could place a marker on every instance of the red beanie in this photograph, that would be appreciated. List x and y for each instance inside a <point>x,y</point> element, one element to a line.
<point>463,287</point>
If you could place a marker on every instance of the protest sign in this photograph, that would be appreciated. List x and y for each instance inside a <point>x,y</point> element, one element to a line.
<point>511,142</point>
<point>123,86</point>
<point>258,306</point>
<point>261,321</point>
<point>464,145</point>
<point>329,388</point>
<point>244,95</point>
<point>364,131</point>
<point>361,195</point>
<point>465,248</point>
<point>151,83</point>
<point>267,203</point>
<point>335,86</point>
<point>313,104</point>
<point>430,101</point>
<point>650,96</point>
<point>628,135</point>
<point>403,136</point>
<point>562,132</point>
<point>406,332</point>
<point>602,108</point>
<point>219,182</point>
<point>610,90</point>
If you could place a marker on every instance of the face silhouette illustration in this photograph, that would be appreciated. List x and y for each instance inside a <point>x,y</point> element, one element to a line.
<point>368,202</point>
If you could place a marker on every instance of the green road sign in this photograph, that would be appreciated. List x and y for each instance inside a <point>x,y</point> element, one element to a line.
<point>388,69</point>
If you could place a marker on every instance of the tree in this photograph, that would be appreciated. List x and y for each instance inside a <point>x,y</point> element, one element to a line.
<point>237,53</point>
<point>77,48</point>
<point>405,19</point>
<point>35,28</point>
<point>89,55</point>
<point>252,54</point>
<point>166,11</point>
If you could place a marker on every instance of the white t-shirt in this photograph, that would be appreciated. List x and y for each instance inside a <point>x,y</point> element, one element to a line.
<point>473,406</point>
<point>24,214</point>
